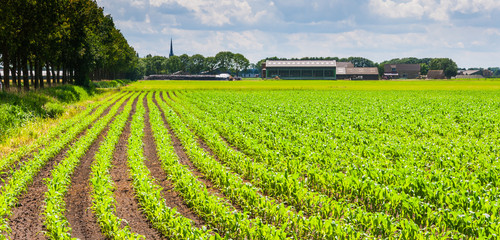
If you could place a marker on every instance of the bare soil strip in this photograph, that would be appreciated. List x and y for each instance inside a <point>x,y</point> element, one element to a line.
<point>184,159</point>
<point>26,220</point>
<point>172,197</point>
<point>127,207</point>
<point>78,200</point>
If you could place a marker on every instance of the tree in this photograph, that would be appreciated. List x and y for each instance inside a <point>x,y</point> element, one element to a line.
<point>224,61</point>
<point>424,68</point>
<point>240,63</point>
<point>184,58</point>
<point>174,64</point>
<point>211,64</point>
<point>447,65</point>
<point>7,13</point>
<point>196,64</point>
<point>361,62</point>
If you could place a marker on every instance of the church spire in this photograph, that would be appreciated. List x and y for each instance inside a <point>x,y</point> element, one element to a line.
<point>171,49</point>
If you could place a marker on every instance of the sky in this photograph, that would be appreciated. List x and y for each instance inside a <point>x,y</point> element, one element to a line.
<point>467,31</point>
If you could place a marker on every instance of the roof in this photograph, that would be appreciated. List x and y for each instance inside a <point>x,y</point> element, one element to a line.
<point>301,63</point>
<point>362,71</point>
<point>470,72</point>
<point>435,74</point>
<point>345,64</point>
<point>341,71</point>
<point>402,67</point>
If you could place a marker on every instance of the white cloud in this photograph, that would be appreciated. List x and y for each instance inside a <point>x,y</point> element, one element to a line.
<point>492,32</point>
<point>138,3</point>
<point>411,9</point>
<point>458,29</point>
<point>439,10</point>
<point>217,12</point>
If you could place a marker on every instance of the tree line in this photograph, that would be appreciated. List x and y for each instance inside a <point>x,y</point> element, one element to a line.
<point>72,40</point>
<point>222,62</point>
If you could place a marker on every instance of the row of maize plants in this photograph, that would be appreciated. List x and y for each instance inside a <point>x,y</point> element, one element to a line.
<point>103,201</point>
<point>295,224</point>
<point>167,220</point>
<point>345,182</point>
<point>57,225</point>
<point>214,210</point>
<point>289,188</point>
<point>19,180</point>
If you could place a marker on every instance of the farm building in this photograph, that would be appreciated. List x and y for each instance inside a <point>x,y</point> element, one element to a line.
<point>469,74</point>
<point>341,69</point>
<point>346,70</point>
<point>394,71</point>
<point>362,73</point>
<point>436,74</point>
<point>300,69</point>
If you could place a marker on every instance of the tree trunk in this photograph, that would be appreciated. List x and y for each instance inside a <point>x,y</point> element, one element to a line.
<point>32,76</point>
<point>72,76</point>
<point>6,66</point>
<point>53,74</point>
<point>37,75</point>
<point>64,76</point>
<point>13,72</point>
<point>26,79</point>
<point>47,73</point>
<point>19,74</point>
<point>58,74</point>
<point>40,70</point>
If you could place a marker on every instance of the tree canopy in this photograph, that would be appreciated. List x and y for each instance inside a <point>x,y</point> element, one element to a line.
<point>229,62</point>
<point>449,66</point>
<point>73,37</point>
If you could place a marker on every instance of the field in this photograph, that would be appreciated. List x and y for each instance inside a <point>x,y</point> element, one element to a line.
<point>265,160</point>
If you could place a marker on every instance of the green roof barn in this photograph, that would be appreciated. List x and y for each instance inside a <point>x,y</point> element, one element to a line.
<point>300,69</point>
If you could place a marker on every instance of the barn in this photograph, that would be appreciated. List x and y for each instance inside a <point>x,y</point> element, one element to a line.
<point>362,73</point>
<point>300,69</point>
<point>436,74</point>
<point>405,71</point>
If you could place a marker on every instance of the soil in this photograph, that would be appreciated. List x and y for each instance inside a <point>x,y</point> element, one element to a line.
<point>127,207</point>
<point>78,199</point>
<point>27,219</point>
<point>172,197</point>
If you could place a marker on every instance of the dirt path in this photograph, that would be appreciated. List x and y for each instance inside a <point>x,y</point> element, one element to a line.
<point>127,207</point>
<point>27,220</point>
<point>172,197</point>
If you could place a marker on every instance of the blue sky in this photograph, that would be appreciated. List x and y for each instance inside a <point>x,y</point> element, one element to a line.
<point>468,31</point>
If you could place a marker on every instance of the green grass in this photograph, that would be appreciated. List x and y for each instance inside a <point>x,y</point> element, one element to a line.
<point>317,85</point>
<point>110,83</point>
<point>19,109</point>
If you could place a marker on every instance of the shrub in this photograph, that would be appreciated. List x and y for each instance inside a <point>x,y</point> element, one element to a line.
<point>53,109</point>
<point>111,84</point>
